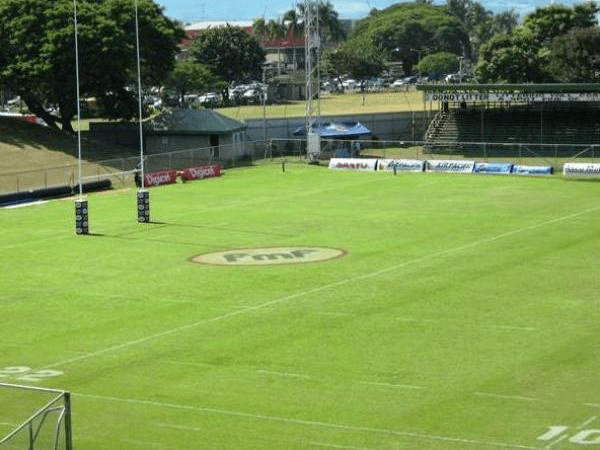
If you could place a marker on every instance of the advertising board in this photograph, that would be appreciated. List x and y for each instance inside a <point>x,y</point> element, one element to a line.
<point>199,172</point>
<point>532,170</point>
<point>160,177</point>
<point>493,168</point>
<point>452,166</point>
<point>401,165</point>
<point>369,164</point>
<point>581,170</point>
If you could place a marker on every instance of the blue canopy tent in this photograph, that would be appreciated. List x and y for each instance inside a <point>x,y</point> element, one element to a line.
<point>338,137</point>
<point>337,130</point>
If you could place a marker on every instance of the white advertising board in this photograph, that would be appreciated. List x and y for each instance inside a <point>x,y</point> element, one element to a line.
<point>581,170</point>
<point>450,165</point>
<point>353,164</point>
<point>401,165</point>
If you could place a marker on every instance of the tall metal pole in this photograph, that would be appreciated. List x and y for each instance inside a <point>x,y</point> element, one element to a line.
<point>78,105</point>
<point>139,79</point>
<point>312,47</point>
<point>81,204</point>
<point>143,196</point>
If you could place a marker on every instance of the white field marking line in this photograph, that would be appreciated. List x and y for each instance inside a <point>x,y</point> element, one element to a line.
<point>515,328</point>
<point>402,386</point>
<point>25,204</point>
<point>335,314</point>
<point>145,444</point>
<point>312,423</point>
<point>506,397</point>
<point>363,430</point>
<point>557,441</point>
<point>343,447</point>
<point>283,374</point>
<point>483,325</point>
<point>316,290</point>
<point>587,422</point>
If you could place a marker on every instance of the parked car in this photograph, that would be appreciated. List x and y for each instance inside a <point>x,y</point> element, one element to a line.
<point>210,98</point>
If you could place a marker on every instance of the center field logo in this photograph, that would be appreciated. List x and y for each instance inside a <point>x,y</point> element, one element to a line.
<point>269,256</point>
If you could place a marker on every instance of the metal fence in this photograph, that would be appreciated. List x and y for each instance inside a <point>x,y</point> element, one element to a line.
<point>120,170</point>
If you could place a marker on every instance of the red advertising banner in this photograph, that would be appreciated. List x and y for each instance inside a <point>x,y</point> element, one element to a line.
<point>160,177</point>
<point>199,172</point>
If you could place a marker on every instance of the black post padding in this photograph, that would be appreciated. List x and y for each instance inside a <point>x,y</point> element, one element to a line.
<point>81,217</point>
<point>143,205</point>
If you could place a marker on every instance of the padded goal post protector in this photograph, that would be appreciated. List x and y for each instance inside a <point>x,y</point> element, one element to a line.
<point>143,206</point>
<point>81,216</point>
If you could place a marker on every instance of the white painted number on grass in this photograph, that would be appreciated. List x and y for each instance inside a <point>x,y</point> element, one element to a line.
<point>583,437</point>
<point>24,373</point>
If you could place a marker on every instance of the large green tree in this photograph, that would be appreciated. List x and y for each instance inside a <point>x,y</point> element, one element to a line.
<point>37,53</point>
<point>480,23</point>
<point>230,52</point>
<point>527,54</point>
<point>575,56</point>
<point>407,32</point>
<point>360,60</point>
<point>189,76</point>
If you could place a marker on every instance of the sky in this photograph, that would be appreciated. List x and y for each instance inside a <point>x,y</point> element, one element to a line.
<point>192,11</point>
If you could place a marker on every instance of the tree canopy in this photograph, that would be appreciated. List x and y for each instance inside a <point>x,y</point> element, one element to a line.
<point>409,31</point>
<point>543,49</point>
<point>230,52</point>
<point>37,53</point>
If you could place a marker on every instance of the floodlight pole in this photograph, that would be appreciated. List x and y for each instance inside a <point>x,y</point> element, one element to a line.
<point>81,204</point>
<point>143,196</point>
<point>312,49</point>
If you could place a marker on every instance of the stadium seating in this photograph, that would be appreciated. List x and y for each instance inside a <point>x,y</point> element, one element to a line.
<point>548,124</point>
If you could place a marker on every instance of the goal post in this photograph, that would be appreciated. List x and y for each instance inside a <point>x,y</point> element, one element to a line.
<point>37,418</point>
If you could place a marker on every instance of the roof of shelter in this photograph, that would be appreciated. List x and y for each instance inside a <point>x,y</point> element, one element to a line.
<point>192,121</point>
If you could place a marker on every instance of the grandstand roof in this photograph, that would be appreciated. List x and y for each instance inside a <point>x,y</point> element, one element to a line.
<point>527,87</point>
<point>544,92</point>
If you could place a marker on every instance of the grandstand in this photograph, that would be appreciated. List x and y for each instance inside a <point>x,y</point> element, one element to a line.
<point>549,117</point>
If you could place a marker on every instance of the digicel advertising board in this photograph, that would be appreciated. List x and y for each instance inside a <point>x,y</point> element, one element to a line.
<point>160,177</point>
<point>199,172</point>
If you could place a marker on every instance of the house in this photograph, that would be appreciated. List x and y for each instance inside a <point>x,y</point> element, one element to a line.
<point>186,129</point>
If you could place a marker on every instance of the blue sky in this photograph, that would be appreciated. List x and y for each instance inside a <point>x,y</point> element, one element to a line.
<point>190,11</point>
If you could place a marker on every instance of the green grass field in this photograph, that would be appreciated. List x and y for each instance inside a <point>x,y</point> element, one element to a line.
<point>463,315</point>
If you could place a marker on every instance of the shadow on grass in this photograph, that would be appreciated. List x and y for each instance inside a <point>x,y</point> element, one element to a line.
<point>137,236</point>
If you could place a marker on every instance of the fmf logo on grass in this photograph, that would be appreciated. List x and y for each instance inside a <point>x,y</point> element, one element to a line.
<point>269,256</point>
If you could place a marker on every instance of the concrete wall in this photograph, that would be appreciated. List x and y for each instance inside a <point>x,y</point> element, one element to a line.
<point>397,126</point>
<point>403,126</point>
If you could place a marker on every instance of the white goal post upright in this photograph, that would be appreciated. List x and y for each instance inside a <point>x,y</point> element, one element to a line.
<point>81,204</point>
<point>143,195</point>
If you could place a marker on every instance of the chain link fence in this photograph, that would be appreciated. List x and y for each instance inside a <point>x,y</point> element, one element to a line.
<point>121,170</point>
